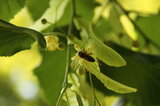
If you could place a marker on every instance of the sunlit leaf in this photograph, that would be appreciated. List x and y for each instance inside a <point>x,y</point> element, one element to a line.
<point>19,18</point>
<point>108,82</point>
<point>105,53</point>
<point>129,27</point>
<point>75,96</point>
<point>141,72</point>
<point>125,30</point>
<point>52,14</point>
<point>14,38</point>
<point>70,97</point>
<point>102,51</point>
<point>142,6</point>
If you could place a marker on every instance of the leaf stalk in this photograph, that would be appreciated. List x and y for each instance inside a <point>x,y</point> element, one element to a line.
<point>70,29</point>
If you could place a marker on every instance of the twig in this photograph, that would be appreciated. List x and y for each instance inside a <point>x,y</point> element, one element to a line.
<point>55,33</point>
<point>68,104</point>
<point>135,25</point>
<point>94,94</point>
<point>65,82</point>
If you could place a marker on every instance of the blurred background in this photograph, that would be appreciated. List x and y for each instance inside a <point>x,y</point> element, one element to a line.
<point>18,84</point>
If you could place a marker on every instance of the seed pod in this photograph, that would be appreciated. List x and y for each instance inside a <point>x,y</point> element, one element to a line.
<point>44,21</point>
<point>136,44</point>
<point>61,46</point>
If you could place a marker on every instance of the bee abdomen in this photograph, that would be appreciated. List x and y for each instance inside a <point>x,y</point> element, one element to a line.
<point>89,58</point>
<point>85,56</point>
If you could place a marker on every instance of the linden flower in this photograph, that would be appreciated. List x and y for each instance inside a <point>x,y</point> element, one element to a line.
<point>79,62</point>
<point>52,43</point>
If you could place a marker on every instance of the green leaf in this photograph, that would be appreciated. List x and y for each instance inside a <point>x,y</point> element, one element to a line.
<point>40,8</point>
<point>8,8</point>
<point>52,14</point>
<point>85,9</point>
<point>65,18</point>
<point>14,39</point>
<point>141,72</point>
<point>125,32</point>
<point>114,19</point>
<point>99,49</point>
<point>75,41</point>
<point>102,28</point>
<point>108,82</point>
<point>149,6</point>
<point>75,96</point>
<point>150,26</point>
<point>104,52</point>
<point>51,74</point>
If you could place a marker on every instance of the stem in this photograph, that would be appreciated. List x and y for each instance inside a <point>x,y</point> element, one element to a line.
<point>55,33</point>
<point>65,82</point>
<point>68,104</point>
<point>94,94</point>
<point>72,17</point>
<point>135,25</point>
<point>61,94</point>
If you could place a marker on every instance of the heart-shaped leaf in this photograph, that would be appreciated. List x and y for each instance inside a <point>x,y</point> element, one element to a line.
<point>14,39</point>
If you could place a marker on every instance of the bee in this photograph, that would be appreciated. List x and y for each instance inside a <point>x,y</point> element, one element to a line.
<point>83,54</point>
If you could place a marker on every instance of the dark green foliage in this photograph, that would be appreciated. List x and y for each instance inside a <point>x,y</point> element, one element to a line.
<point>14,39</point>
<point>37,7</point>
<point>150,26</point>
<point>51,74</point>
<point>141,72</point>
<point>85,9</point>
<point>132,68</point>
<point>8,8</point>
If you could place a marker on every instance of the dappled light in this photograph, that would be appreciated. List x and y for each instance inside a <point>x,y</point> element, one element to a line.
<point>80,53</point>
